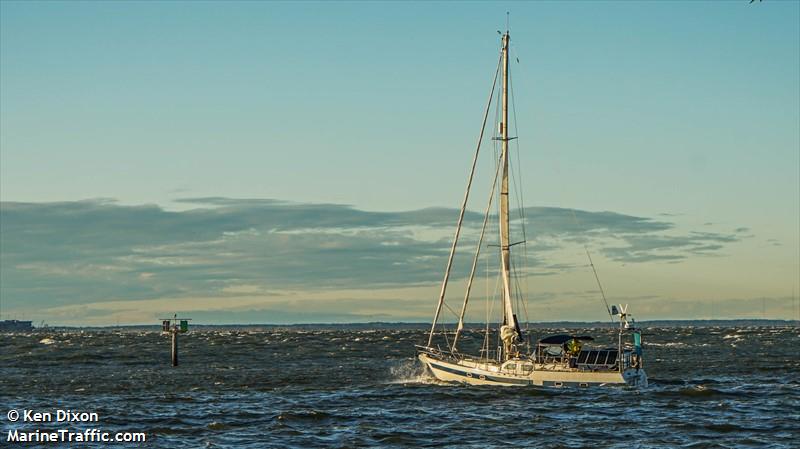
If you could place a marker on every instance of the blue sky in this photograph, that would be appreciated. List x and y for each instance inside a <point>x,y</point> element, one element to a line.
<point>680,119</point>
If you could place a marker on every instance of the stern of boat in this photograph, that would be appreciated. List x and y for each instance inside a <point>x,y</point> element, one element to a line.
<point>635,377</point>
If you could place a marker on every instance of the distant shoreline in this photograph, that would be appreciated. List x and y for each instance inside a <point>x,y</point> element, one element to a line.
<point>380,325</point>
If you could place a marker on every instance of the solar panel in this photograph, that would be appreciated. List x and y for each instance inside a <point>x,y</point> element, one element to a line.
<point>607,357</point>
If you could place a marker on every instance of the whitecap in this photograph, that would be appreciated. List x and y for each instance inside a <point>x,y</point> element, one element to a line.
<point>410,372</point>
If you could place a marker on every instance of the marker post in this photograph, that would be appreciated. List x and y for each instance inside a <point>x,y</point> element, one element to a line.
<point>175,326</point>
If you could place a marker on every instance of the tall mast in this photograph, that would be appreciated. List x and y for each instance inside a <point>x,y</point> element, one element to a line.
<point>508,310</point>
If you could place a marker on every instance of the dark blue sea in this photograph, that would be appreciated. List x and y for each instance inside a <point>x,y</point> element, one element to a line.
<point>710,387</point>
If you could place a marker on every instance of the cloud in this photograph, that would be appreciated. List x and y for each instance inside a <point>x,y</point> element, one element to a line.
<point>774,307</point>
<point>81,252</point>
<point>651,247</point>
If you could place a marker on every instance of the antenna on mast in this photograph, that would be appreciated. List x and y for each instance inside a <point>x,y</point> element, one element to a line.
<point>507,18</point>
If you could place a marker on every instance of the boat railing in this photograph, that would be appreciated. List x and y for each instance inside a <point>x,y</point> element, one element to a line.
<point>487,357</point>
<point>586,360</point>
<point>437,352</point>
<point>547,359</point>
<point>631,360</point>
<point>490,354</point>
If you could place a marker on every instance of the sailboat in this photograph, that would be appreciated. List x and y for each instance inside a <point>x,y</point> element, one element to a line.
<point>554,361</point>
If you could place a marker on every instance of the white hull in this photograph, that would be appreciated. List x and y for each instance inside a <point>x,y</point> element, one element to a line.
<point>490,373</point>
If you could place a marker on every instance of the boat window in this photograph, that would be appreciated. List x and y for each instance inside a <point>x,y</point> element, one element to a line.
<point>511,366</point>
<point>582,356</point>
<point>592,357</point>
<point>527,367</point>
<point>601,357</point>
<point>612,358</point>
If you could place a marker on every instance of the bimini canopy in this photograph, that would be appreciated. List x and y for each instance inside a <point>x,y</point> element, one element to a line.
<point>563,338</point>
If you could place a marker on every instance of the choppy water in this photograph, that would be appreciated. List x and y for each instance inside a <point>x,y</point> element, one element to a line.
<point>709,388</point>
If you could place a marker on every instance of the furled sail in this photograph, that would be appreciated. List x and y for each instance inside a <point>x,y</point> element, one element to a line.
<point>509,319</point>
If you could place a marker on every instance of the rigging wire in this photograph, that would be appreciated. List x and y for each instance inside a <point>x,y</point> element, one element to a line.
<point>490,302</point>
<point>520,198</point>
<point>475,259</point>
<point>486,307</point>
<point>463,208</point>
<point>491,299</point>
<point>498,153</point>
<point>498,295</point>
<point>527,327</point>
<point>523,217</point>
<point>594,270</point>
<point>574,217</point>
